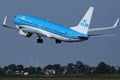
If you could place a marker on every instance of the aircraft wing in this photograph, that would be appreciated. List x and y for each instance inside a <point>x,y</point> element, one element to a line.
<point>105,28</point>
<point>4,24</point>
<point>101,35</point>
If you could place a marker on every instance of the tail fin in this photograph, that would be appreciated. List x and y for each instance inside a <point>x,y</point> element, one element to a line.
<point>84,24</point>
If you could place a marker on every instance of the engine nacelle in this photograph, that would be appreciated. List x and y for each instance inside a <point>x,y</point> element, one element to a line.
<point>25,34</point>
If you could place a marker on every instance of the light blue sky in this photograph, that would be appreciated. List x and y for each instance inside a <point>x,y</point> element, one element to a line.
<point>20,50</point>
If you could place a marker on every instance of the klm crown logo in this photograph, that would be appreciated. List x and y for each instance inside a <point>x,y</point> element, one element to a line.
<point>84,23</point>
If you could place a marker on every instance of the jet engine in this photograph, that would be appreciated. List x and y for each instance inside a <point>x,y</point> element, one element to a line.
<point>25,34</point>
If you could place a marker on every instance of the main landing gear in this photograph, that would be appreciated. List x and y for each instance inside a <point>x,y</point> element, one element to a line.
<point>57,41</point>
<point>39,40</point>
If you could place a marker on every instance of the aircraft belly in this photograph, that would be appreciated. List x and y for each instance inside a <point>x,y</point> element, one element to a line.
<point>62,38</point>
<point>47,34</point>
<point>55,36</point>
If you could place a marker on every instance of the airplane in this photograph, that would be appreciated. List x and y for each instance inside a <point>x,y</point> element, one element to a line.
<point>28,25</point>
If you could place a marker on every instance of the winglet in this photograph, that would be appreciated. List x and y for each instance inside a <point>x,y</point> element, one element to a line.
<point>116,23</point>
<point>4,21</point>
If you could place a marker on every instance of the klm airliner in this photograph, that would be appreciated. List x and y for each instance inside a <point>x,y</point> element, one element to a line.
<point>28,25</point>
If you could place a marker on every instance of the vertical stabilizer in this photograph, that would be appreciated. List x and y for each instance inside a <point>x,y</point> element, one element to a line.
<point>84,24</point>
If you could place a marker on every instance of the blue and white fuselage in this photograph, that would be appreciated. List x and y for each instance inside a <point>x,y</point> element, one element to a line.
<point>44,28</point>
<point>28,25</point>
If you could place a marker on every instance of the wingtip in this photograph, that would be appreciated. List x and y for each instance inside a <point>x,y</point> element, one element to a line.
<point>91,7</point>
<point>116,23</point>
<point>4,21</point>
<point>118,19</point>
